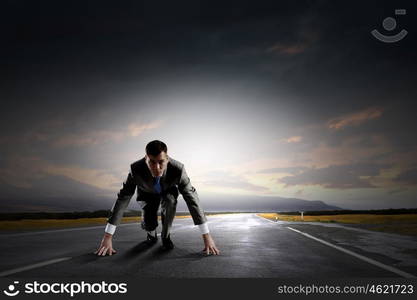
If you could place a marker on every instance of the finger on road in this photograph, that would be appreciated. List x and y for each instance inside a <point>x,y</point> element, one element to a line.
<point>103,251</point>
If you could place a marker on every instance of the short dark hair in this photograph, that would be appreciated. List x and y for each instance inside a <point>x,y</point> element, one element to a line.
<point>155,147</point>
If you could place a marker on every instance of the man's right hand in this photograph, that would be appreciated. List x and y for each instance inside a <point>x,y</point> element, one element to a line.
<point>106,246</point>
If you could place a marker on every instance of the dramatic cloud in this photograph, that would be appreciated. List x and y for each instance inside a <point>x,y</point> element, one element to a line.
<point>291,170</point>
<point>224,180</point>
<point>408,177</point>
<point>304,39</point>
<point>87,138</point>
<point>136,129</point>
<point>103,136</point>
<point>274,94</point>
<point>55,138</point>
<point>338,176</point>
<point>293,139</point>
<point>352,148</point>
<point>21,171</point>
<point>288,49</point>
<point>356,118</point>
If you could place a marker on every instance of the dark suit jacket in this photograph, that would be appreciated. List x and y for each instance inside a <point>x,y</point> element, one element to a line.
<point>173,181</point>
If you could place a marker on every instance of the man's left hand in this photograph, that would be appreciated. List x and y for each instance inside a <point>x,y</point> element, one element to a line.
<point>209,245</point>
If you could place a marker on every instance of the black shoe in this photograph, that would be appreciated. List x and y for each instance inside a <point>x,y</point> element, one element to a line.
<point>167,244</point>
<point>151,239</point>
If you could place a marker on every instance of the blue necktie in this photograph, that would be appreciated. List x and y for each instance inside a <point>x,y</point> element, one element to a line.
<point>157,185</point>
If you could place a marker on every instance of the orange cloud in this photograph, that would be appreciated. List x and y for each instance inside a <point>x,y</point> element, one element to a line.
<point>94,177</point>
<point>306,39</point>
<point>89,138</point>
<point>292,139</point>
<point>287,49</point>
<point>348,151</point>
<point>136,129</point>
<point>93,137</point>
<point>356,118</point>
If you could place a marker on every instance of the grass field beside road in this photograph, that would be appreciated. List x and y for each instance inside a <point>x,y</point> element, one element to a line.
<point>400,224</point>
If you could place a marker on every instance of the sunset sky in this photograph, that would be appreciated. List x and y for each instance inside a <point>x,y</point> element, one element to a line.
<point>260,98</point>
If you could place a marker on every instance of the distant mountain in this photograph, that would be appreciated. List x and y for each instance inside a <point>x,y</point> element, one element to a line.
<point>61,194</point>
<point>257,203</point>
<point>54,193</point>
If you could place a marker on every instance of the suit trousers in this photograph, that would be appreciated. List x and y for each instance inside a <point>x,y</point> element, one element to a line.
<point>150,203</point>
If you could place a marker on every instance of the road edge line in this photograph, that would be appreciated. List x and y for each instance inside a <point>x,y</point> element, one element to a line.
<point>361,257</point>
<point>33,266</point>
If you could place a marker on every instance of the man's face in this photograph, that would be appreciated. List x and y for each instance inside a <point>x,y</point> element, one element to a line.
<point>157,164</point>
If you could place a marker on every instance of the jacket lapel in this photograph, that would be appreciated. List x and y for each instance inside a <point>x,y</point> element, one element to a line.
<point>147,177</point>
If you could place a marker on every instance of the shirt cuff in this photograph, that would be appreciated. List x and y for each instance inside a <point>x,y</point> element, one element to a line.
<point>110,228</point>
<point>203,228</point>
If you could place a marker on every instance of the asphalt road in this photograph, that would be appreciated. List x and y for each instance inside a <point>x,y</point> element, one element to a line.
<point>251,247</point>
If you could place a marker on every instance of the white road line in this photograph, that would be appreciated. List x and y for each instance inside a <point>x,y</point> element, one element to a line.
<point>53,261</point>
<point>37,265</point>
<point>61,230</point>
<point>364,258</point>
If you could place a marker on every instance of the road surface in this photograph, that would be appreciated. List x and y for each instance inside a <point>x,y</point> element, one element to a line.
<point>251,247</point>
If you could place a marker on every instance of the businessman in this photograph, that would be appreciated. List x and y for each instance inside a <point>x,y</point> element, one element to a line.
<point>158,179</point>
